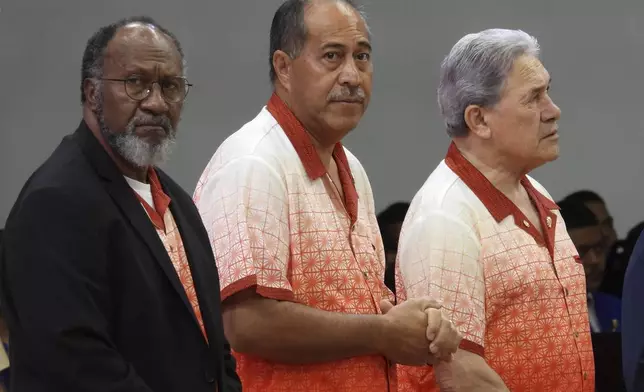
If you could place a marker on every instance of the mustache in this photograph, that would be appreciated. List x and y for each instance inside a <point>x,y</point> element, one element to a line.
<point>347,94</point>
<point>158,121</point>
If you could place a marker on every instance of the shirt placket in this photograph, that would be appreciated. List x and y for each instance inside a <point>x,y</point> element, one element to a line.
<point>370,282</point>
<point>575,334</point>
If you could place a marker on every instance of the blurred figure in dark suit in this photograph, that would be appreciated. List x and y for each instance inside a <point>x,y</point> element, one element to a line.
<point>616,259</point>
<point>604,310</point>
<point>390,221</point>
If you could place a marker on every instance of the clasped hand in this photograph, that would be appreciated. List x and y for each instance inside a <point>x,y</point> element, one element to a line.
<point>417,333</point>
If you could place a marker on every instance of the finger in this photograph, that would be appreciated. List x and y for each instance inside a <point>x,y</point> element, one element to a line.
<point>456,339</point>
<point>444,341</point>
<point>428,303</point>
<point>434,321</point>
<point>385,306</point>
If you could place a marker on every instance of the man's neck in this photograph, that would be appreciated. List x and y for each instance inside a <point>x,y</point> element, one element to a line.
<point>325,152</point>
<point>128,170</point>
<point>495,168</point>
<point>322,147</point>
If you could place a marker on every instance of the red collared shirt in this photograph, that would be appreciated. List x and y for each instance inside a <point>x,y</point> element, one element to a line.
<point>517,295</point>
<point>278,225</point>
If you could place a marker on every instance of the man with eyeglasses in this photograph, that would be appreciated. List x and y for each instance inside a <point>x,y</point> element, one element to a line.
<point>108,280</point>
<point>585,230</point>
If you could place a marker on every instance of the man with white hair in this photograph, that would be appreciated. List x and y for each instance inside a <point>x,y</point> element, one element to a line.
<point>487,240</point>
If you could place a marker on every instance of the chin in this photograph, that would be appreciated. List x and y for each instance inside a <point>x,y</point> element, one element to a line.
<point>551,154</point>
<point>343,125</point>
<point>553,157</point>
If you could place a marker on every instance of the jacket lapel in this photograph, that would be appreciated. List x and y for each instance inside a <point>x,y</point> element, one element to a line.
<point>127,202</point>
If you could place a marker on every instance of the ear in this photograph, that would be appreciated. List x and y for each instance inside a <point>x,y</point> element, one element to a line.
<point>91,91</point>
<point>475,118</point>
<point>283,65</point>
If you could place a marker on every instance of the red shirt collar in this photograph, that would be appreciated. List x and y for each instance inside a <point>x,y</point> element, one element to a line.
<point>499,205</point>
<point>160,199</point>
<point>301,141</point>
<point>494,200</point>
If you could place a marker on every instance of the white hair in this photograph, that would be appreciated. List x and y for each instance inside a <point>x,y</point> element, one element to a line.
<point>474,71</point>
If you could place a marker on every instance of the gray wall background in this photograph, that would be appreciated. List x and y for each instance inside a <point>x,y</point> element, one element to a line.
<point>593,50</point>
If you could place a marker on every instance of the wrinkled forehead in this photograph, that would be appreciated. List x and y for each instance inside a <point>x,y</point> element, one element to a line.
<point>328,20</point>
<point>527,73</point>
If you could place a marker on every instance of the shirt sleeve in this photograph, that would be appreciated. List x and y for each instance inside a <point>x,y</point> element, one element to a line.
<point>438,257</point>
<point>244,206</point>
<point>56,296</point>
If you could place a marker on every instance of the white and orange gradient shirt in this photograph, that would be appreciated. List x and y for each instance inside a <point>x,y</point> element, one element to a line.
<point>278,226</point>
<point>517,295</point>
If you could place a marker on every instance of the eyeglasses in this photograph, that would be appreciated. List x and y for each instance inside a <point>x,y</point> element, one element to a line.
<point>173,90</point>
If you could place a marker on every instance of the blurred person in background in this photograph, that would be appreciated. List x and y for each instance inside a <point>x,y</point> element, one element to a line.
<point>390,222</point>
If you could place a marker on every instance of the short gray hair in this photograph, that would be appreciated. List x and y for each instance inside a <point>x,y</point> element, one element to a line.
<point>475,70</point>
<point>288,30</point>
<point>94,54</point>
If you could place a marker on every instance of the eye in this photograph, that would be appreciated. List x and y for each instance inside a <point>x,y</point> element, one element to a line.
<point>331,55</point>
<point>134,81</point>
<point>364,56</point>
<point>170,84</point>
<point>534,97</point>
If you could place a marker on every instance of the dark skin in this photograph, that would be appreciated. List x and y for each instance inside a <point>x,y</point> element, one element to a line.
<point>606,222</point>
<point>136,50</point>
<point>589,242</point>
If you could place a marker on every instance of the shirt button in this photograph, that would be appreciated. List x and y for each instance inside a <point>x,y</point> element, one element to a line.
<point>365,274</point>
<point>373,246</point>
<point>576,334</point>
<point>585,376</point>
<point>526,223</point>
<point>549,222</point>
<point>566,291</point>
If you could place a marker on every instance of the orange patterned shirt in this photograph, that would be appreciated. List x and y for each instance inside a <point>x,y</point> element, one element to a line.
<point>517,295</point>
<point>278,225</point>
<point>169,234</point>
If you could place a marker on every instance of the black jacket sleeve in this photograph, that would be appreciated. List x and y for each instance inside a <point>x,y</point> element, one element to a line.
<point>56,297</point>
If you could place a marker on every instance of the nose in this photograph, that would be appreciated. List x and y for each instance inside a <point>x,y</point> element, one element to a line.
<point>349,74</point>
<point>551,112</point>
<point>154,102</point>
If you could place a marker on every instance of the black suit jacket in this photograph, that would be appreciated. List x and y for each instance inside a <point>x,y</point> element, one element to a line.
<point>92,300</point>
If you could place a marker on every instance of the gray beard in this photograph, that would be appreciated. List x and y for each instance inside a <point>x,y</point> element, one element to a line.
<point>138,151</point>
